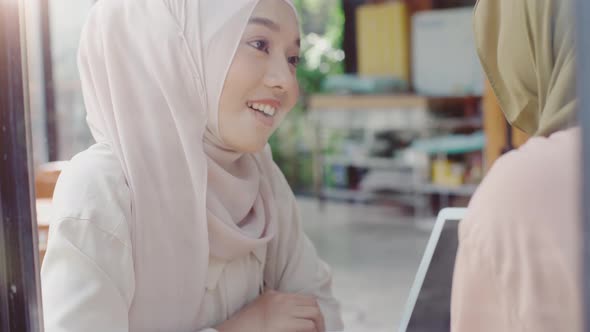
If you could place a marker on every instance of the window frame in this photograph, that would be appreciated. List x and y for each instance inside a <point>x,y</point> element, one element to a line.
<point>583,76</point>
<point>20,300</point>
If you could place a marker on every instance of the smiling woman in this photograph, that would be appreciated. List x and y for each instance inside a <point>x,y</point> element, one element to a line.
<point>261,86</point>
<point>178,219</point>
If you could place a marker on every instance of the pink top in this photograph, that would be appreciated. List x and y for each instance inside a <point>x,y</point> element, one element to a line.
<point>518,265</point>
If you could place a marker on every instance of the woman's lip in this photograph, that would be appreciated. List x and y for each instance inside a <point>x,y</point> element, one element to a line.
<point>267,121</point>
<point>271,102</point>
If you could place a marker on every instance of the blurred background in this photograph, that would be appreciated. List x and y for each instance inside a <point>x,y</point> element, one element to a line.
<point>395,122</point>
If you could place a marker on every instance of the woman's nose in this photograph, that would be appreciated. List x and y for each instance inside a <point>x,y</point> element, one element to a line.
<point>279,76</point>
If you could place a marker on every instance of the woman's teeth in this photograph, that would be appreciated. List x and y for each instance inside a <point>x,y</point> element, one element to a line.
<point>266,109</point>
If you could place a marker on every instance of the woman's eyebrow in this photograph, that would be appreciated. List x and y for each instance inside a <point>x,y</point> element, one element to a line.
<point>271,25</point>
<point>265,22</point>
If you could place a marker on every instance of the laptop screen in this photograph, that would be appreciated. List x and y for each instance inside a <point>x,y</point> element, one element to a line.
<point>432,311</point>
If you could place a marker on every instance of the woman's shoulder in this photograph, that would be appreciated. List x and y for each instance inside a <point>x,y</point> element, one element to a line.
<point>529,189</point>
<point>92,187</point>
<point>542,162</point>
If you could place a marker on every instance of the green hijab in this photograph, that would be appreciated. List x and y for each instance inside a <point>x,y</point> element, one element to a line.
<point>527,50</point>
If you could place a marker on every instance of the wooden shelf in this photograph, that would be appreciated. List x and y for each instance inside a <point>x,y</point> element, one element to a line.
<point>393,101</point>
<point>367,101</point>
<point>368,162</point>
<point>403,195</point>
<point>365,197</point>
<point>466,190</point>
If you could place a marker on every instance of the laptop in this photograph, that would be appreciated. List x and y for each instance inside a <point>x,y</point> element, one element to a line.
<point>429,304</point>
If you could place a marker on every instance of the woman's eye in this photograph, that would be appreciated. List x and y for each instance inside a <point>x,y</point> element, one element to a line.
<point>260,45</point>
<point>294,60</point>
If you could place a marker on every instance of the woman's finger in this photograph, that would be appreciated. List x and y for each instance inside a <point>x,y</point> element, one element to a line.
<point>304,300</point>
<point>311,312</point>
<point>304,325</point>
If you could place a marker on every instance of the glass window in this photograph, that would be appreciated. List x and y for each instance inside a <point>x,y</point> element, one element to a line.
<point>371,161</point>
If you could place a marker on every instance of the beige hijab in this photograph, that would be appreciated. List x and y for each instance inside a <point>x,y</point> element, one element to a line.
<point>152,74</point>
<point>527,50</point>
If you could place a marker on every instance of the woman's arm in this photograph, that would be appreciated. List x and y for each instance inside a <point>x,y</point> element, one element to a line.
<point>293,265</point>
<point>87,279</point>
<point>478,302</point>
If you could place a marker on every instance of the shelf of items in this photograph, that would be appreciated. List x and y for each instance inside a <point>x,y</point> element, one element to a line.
<point>404,196</point>
<point>347,195</point>
<point>466,190</point>
<point>359,196</point>
<point>367,162</point>
<point>425,119</point>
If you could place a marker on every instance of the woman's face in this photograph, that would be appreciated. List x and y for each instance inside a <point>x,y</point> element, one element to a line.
<point>261,86</point>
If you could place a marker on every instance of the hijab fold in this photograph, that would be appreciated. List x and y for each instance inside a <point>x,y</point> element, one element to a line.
<point>527,50</point>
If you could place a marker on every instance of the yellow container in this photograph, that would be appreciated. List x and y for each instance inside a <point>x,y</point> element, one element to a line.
<point>383,40</point>
<point>446,173</point>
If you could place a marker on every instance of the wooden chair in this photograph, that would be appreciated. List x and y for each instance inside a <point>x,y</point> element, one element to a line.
<point>46,177</point>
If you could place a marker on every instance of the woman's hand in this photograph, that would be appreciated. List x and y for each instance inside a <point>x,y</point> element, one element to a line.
<point>277,312</point>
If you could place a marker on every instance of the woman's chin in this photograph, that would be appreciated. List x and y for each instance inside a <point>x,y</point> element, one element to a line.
<point>253,146</point>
